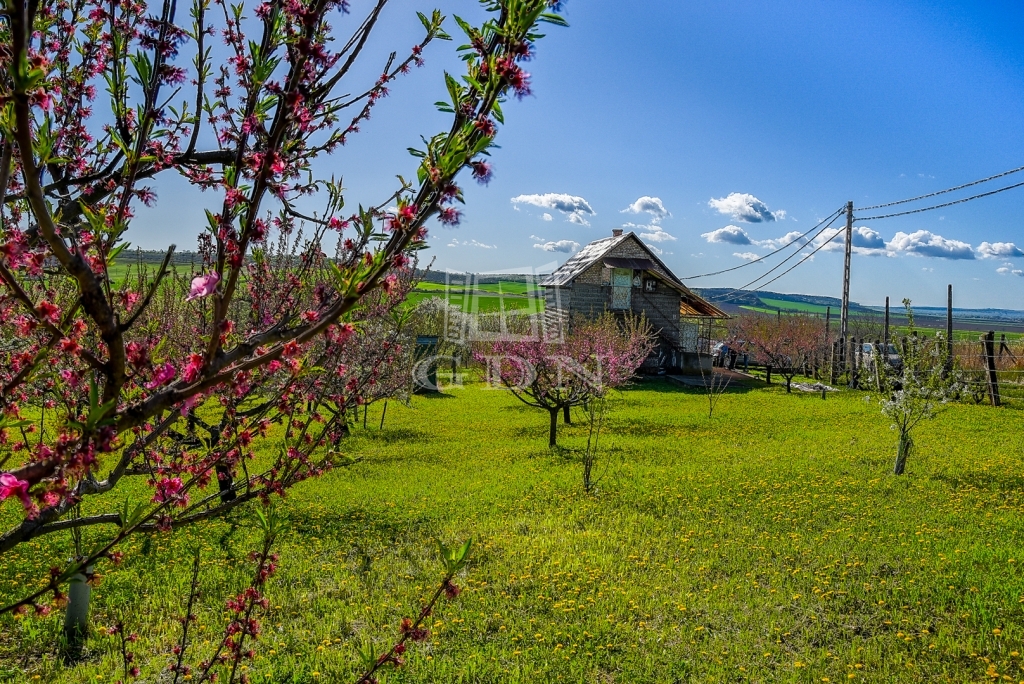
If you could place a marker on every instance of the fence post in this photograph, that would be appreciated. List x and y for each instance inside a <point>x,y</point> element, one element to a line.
<point>832,364</point>
<point>851,362</point>
<point>988,345</point>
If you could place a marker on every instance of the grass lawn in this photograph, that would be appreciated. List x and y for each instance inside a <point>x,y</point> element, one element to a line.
<point>767,544</point>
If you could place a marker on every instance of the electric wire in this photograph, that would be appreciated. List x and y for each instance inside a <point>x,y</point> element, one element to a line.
<point>788,244</point>
<point>940,206</point>
<point>943,192</point>
<point>809,255</point>
<point>765,274</point>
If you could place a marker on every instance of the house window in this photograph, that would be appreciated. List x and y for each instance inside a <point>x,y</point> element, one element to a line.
<point>622,288</point>
<point>650,285</point>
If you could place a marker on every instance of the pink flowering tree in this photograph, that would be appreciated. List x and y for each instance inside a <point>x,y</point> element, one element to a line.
<point>786,343</point>
<point>100,378</point>
<point>592,358</point>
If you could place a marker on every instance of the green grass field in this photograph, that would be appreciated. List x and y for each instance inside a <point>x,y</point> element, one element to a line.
<point>483,303</point>
<point>802,307</point>
<point>767,544</point>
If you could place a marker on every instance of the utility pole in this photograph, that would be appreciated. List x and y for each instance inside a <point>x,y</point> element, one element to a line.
<point>844,322</point>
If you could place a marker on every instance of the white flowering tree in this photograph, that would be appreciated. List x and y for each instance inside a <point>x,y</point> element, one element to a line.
<point>916,389</point>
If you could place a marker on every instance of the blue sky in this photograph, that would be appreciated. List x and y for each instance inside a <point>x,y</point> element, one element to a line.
<point>725,111</point>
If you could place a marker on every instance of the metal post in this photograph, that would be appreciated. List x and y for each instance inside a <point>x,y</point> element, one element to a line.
<point>845,320</point>
<point>885,339</point>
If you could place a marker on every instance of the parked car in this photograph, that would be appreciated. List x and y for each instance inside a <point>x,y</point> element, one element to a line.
<point>889,353</point>
<point>720,354</point>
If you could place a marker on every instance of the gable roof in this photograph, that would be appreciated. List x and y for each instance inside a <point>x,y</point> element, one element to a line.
<point>596,251</point>
<point>581,261</point>
<point>691,304</point>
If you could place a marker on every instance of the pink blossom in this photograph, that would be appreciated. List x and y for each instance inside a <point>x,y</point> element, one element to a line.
<point>203,286</point>
<point>169,490</point>
<point>12,486</point>
<point>163,375</point>
<point>195,365</point>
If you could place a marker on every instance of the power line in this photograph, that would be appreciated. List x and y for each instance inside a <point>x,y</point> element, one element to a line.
<point>943,192</point>
<point>940,206</point>
<point>763,285</point>
<point>763,275</point>
<point>754,261</point>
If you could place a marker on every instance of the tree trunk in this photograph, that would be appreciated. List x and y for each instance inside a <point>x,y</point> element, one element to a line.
<point>789,381</point>
<point>902,452</point>
<point>566,416</point>
<point>553,433</point>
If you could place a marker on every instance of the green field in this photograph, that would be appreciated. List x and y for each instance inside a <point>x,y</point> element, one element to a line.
<point>475,302</point>
<point>802,307</point>
<point>767,544</point>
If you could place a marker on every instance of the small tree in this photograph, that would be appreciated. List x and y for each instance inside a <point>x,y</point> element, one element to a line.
<point>594,356</point>
<point>916,390</point>
<point>785,343</point>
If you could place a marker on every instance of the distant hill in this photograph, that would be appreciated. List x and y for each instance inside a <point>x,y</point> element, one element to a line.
<point>775,301</point>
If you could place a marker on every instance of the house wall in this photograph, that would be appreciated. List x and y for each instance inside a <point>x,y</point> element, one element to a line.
<point>590,295</point>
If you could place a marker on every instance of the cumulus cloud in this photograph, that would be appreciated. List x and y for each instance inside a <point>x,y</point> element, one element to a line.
<point>567,246</point>
<point>651,205</point>
<point>470,243</point>
<point>745,207</point>
<point>656,234</point>
<point>734,235</point>
<point>748,256</point>
<point>576,208</point>
<point>866,241</point>
<point>651,233</point>
<point>928,244</point>
<point>787,239</point>
<point>999,250</point>
<point>1009,270</point>
<point>546,216</point>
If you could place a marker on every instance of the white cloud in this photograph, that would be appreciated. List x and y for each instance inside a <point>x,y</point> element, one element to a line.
<point>749,256</point>
<point>470,243</point>
<point>566,246</point>
<point>656,234</point>
<point>745,207</point>
<point>656,250</point>
<point>651,233</point>
<point>787,239</point>
<point>546,216</point>
<point>1008,269</point>
<point>928,244</point>
<point>734,235</point>
<point>866,241</point>
<point>999,250</point>
<point>576,208</point>
<point>651,205</point>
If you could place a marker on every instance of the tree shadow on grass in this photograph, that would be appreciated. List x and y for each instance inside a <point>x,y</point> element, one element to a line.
<point>390,435</point>
<point>1011,484</point>
<point>665,386</point>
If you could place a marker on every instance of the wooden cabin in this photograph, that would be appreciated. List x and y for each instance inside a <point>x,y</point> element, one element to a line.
<point>619,274</point>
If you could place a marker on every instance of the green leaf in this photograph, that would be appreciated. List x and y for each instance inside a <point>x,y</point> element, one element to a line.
<point>549,18</point>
